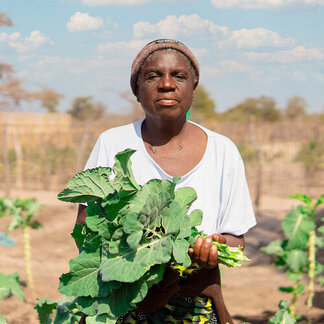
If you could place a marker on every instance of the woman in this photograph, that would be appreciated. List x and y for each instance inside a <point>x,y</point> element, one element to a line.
<point>164,77</point>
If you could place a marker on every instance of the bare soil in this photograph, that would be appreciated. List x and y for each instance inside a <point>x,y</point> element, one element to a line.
<point>251,293</point>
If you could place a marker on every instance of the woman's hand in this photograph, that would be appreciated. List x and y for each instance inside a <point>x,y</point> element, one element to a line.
<point>204,252</point>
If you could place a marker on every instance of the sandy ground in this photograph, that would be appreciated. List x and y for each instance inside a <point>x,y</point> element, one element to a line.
<point>251,293</point>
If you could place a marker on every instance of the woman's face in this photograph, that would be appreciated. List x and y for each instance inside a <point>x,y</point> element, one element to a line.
<point>166,85</point>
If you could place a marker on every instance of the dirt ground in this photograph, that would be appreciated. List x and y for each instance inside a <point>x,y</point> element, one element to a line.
<point>251,293</point>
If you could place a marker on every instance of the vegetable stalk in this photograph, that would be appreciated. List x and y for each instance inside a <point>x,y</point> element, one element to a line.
<point>311,276</point>
<point>27,255</point>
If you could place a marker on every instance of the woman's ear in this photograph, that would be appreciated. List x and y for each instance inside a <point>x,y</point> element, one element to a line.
<point>195,85</point>
<point>194,89</point>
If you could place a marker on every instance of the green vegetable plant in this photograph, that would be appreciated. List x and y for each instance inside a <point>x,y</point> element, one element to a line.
<point>64,311</point>
<point>9,284</point>
<point>131,234</point>
<point>22,212</point>
<point>283,316</point>
<point>296,254</point>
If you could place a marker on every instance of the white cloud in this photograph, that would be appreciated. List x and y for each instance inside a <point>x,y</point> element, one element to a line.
<point>95,3</point>
<point>123,48</point>
<point>32,42</point>
<point>182,26</point>
<point>297,54</point>
<point>200,52</point>
<point>83,22</point>
<point>225,67</point>
<point>4,37</point>
<point>257,37</point>
<point>262,4</point>
<point>232,66</point>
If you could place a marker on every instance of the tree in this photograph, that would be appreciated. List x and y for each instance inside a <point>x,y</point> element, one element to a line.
<point>11,91</point>
<point>49,99</point>
<point>262,108</point>
<point>87,111</point>
<point>5,20</point>
<point>203,105</point>
<point>84,109</point>
<point>296,107</point>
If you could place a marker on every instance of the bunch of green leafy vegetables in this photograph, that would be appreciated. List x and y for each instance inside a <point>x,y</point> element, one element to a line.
<point>131,234</point>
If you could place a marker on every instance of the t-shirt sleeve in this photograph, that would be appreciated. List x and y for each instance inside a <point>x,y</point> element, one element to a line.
<point>98,156</point>
<point>237,215</point>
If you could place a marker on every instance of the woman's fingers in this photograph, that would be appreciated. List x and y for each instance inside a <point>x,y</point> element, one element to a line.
<point>219,238</point>
<point>204,252</point>
<point>213,255</point>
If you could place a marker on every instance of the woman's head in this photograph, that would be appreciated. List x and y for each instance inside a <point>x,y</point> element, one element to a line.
<point>164,80</point>
<point>149,51</point>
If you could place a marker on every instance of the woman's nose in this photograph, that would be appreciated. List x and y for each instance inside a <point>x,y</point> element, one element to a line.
<point>166,82</point>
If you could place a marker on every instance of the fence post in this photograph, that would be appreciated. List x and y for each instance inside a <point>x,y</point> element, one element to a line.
<point>6,161</point>
<point>19,161</point>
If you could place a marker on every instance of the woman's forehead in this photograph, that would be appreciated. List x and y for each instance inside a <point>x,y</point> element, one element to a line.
<point>167,56</point>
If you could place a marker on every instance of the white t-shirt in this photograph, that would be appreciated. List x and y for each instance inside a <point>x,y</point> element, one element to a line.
<point>219,178</point>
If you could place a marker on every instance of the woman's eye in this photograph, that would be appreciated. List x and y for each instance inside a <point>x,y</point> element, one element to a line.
<point>151,76</point>
<point>180,76</point>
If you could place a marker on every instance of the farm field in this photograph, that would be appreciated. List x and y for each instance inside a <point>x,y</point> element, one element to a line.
<point>251,293</point>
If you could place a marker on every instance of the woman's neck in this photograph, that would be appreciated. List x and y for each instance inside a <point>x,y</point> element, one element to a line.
<point>161,132</point>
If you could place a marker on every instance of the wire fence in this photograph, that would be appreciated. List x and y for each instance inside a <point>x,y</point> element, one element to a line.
<point>46,156</point>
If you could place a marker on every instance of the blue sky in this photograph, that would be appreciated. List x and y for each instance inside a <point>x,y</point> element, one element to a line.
<point>246,48</point>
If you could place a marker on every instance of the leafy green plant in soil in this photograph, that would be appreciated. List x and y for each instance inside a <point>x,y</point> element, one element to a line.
<point>296,254</point>
<point>22,212</point>
<point>65,311</point>
<point>131,234</point>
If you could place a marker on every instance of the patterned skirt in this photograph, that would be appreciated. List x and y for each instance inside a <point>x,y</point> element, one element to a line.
<point>178,310</point>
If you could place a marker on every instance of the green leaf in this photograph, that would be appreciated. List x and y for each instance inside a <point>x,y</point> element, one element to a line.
<point>180,252</point>
<point>44,310</point>
<point>300,288</point>
<point>172,218</point>
<point>97,221</point>
<point>36,225</point>
<point>320,280</point>
<point>303,198</point>
<point>3,320</point>
<point>292,276</point>
<point>296,260</point>
<point>6,240</point>
<point>296,227</point>
<point>82,280</point>
<point>88,186</point>
<point>185,197</point>
<point>288,290</point>
<point>283,304</point>
<point>9,284</point>
<point>282,316</point>
<point>124,181</point>
<point>319,201</point>
<point>67,313</point>
<point>78,234</point>
<point>196,217</point>
<point>131,265</point>
<point>274,247</point>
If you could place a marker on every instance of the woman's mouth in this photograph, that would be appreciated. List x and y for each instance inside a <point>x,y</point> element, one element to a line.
<point>167,101</point>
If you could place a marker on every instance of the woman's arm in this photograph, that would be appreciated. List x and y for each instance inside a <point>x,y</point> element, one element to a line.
<point>82,214</point>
